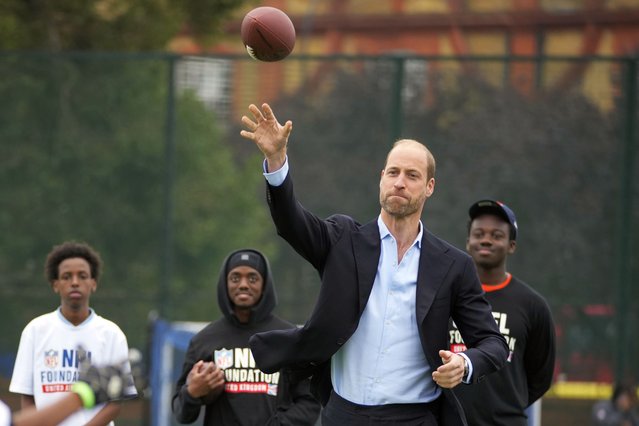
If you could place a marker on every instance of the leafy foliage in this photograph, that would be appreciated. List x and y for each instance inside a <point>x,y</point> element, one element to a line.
<point>75,168</point>
<point>111,25</point>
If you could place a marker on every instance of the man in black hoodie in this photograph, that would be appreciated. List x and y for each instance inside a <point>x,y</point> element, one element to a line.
<point>219,371</point>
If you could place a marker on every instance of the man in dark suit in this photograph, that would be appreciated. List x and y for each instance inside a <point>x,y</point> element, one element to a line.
<point>374,344</point>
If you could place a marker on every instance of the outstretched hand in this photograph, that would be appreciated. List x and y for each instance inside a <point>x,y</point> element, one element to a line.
<point>268,134</point>
<point>451,373</point>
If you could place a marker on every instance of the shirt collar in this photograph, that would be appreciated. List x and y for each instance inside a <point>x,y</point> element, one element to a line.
<point>384,232</point>
<point>89,318</point>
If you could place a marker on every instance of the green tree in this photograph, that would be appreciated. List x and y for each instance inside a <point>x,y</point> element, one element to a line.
<point>111,25</point>
<point>83,157</point>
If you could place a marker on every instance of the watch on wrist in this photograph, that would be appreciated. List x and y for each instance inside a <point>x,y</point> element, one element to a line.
<point>465,369</point>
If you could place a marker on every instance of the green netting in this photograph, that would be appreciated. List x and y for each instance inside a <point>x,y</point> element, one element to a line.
<point>140,155</point>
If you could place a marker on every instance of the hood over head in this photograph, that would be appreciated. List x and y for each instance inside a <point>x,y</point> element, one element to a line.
<point>259,262</point>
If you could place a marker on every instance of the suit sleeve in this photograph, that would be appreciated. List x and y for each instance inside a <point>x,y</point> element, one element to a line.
<point>186,408</point>
<point>310,236</point>
<point>540,363</point>
<point>486,347</point>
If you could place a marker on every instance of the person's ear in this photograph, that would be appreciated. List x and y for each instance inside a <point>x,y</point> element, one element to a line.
<point>430,187</point>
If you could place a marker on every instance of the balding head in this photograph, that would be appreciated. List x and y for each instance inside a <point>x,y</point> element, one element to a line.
<point>430,159</point>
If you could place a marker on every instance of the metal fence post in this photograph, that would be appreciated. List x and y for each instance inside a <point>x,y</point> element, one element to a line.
<point>169,177</point>
<point>397,106</point>
<point>624,220</point>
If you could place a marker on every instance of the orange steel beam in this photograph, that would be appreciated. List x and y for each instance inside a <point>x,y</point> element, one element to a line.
<point>523,42</point>
<point>574,73</point>
<point>474,21</point>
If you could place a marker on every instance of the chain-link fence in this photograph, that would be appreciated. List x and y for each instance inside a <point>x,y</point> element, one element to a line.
<point>140,155</point>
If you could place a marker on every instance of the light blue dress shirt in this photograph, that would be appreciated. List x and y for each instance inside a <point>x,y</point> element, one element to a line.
<point>384,362</point>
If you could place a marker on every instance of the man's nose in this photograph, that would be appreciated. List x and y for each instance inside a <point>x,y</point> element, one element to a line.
<point>399,182</point>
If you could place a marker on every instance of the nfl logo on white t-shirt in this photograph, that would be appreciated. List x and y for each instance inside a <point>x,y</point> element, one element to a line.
<point>51,358</point>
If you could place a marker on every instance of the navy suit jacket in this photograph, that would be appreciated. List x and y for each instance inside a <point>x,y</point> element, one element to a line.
<point>346,255</point>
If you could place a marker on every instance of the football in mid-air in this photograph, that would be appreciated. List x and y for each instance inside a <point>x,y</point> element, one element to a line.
<point>268,34</point>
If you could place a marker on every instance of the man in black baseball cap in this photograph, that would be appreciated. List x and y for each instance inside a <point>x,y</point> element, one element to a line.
<point>524,319</point>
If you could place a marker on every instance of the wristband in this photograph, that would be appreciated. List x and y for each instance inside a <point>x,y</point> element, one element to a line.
<point>85,393</point>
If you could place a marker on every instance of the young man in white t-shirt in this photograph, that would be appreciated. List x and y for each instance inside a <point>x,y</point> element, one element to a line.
<point>47,361</point>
